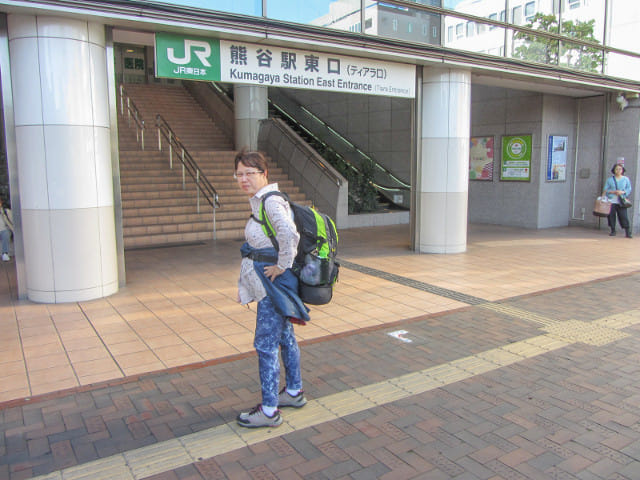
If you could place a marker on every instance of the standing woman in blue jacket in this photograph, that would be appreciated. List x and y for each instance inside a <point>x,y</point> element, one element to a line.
<point>617,185</point>
<point>266,278</point>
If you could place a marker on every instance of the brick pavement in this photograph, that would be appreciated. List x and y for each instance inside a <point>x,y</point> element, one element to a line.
<point>572,412</point>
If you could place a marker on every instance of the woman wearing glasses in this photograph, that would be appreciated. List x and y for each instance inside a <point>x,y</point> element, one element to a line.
<point>266,278</point>
<point>616,186</point>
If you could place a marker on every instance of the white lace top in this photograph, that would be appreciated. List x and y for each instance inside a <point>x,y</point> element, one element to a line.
<point>250,288</point>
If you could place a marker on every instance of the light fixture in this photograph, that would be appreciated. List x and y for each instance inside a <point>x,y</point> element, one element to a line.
<point>622,101</point>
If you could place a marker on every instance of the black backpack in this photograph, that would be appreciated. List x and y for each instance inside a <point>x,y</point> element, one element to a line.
<point>315,264</point>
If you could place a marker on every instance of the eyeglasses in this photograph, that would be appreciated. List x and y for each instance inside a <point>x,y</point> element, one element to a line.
<point>246,174</point>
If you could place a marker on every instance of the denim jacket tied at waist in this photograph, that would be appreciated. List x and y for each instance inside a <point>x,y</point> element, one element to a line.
<point>283,291</point>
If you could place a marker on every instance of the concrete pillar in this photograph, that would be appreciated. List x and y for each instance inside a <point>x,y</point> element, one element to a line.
<point>443,171</point>
<point>59,81</point>
<point>251,106</point>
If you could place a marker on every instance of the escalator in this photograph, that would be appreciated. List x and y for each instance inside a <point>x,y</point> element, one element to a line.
<point>372,186</point>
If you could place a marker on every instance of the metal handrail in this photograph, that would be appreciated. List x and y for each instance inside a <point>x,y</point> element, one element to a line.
<point>401,184</point>
<point>189,165</point>
<point>309,152</point>
<point>132,112</point>
<point>353,148</point>
<point>402,187</point>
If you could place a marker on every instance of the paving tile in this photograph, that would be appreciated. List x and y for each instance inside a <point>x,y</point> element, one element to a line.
<point>567,412</point>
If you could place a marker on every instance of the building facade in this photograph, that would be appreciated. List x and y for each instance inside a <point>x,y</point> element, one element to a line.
<point>543,112</point>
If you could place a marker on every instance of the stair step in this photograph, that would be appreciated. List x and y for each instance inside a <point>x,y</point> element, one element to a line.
<point>203,226</point>
<point>169,239</point>
<point>156,208</point>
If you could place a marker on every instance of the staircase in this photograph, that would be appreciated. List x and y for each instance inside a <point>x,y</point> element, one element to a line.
<point>156,209</point>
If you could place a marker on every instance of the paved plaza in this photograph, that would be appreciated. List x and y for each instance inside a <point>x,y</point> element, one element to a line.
<point>515,360</point>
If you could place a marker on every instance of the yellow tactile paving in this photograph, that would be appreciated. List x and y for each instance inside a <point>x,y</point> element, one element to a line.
<point>415,383</point>
<point>171,454</point>
<point>212,442</point>
<point>620,320</point>
<point>584,332</point>
<point>104,469</point>
<point>345,403</point>
<point>157,458</point>
<point>518,313</point>
<point>502,357</point>
<point>386,390</point>
<point>473,365</point>
<point>524,348</point>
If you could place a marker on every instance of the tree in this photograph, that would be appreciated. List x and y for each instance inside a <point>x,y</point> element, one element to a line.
<point>536,48</point>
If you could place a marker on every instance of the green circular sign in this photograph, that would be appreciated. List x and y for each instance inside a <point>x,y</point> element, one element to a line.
<point>517,148</point>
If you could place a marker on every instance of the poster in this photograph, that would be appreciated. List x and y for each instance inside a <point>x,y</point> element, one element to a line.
<point>557,158</point>
<point>481,158</point>
<point>515,164</point>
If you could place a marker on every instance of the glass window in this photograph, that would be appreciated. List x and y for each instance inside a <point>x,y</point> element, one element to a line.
<point>404,23</point>
<point>493,16</point>
<point>471,29</point>
<point>529,11</point>
<point>585,21</point>
<point>623,32</point>
<point>243,7</point>
<point>580,57</point>
<point>534,48</point>
<point>340,15</point>
<point>573,4</point>
<point>623,66</point>
<point>450,33</point>
<point>478,37</point>
<point>516,15</point>
<point>502,16</point>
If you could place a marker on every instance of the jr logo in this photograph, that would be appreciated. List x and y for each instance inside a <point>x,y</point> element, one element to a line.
<point>202,50</point>
<point>190,58</point>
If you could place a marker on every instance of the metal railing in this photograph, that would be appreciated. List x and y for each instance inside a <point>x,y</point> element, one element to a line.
<point>385,181</point>
<point>189,165</point>
<point>132,113</point>
<point>310,154</point>
<point>321,134</point>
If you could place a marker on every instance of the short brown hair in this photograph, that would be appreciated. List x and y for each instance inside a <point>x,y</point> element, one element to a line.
<point>624,170</point>
<point>251,159</point>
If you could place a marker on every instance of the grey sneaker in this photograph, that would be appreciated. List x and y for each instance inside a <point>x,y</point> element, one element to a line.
<point>286,400</point>
<point>257,418</point>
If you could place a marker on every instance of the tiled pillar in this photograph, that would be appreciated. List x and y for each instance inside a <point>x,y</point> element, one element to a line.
<point>442,180</point>
<point>251,106</point>
<point>59,81</point>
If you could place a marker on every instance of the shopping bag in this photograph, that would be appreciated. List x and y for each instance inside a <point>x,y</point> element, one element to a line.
<point>602,207</point>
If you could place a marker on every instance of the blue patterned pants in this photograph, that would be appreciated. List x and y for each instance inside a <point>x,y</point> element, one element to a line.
<point>274,332</point>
